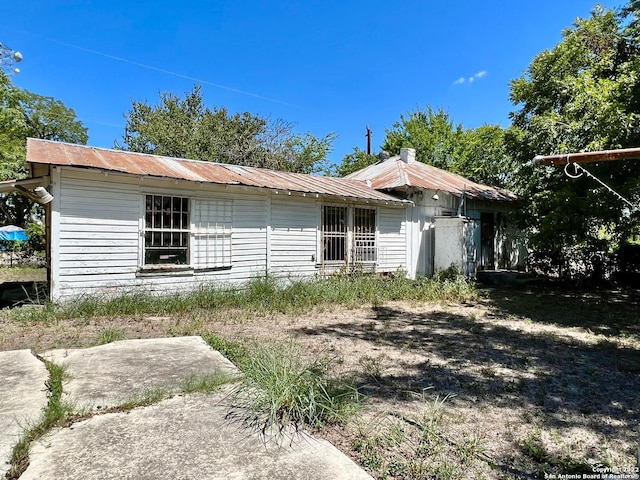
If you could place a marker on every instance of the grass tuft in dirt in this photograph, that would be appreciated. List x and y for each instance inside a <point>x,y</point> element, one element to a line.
<point>56,413</point>
<point>206,383</point>
<point>281,388</point>
<point>534,447</point>
<point>111,335</point>
<point>393,445</point>
<point>234,351</point>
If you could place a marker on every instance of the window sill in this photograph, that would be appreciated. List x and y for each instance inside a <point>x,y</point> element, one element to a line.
<point>165,271</point>
<point>337,264</point>
<point>175,270</point>
<point>212,269</point>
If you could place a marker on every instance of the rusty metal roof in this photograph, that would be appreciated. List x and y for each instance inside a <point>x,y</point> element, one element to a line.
<point>394,173</point>
<point>81,156</point>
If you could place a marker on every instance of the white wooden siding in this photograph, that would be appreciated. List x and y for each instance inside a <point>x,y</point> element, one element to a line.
<point>100,245</point>
<point>392,243</point>
<point>249,236</point>
<point>294,239</point>
<point>98,233</point>
<point>98,248</point>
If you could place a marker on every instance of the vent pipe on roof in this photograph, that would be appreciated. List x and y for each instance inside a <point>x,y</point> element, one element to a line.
<point>408,155</point>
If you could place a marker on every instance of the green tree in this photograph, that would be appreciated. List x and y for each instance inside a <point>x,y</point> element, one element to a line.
<point>431,133</point>
<point>478,154</point>
<point>186,128</point>
<point>582,95</point>
<point>354,161</point>
<point>13,127</point>
<point>482,157</point>
<point>25,114</point>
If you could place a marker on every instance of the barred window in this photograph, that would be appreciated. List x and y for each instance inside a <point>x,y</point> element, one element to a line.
<point>348,234</point>
<point>364,235</point>
<point>334,233</point>
<point>166,230</point>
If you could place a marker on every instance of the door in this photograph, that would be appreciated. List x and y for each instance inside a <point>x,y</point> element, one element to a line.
<point>487,240</point>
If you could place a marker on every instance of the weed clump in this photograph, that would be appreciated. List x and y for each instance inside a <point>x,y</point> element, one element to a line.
<point>281,389</point>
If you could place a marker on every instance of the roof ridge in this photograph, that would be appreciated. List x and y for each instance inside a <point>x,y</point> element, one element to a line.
<point>202,171</point>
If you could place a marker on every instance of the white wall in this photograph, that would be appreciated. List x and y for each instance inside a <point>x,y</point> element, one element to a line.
<point>449,243</point>
<point>294,237</point>
<point>421,243</point>
<point>424,255</point>
<point>392,240</point>
<point>96,239</point>
<point>97,246</point>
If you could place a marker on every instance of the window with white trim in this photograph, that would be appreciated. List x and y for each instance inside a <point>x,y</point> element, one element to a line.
<point>212,233</point>
<point>348,234</point>
<point>166,230</point>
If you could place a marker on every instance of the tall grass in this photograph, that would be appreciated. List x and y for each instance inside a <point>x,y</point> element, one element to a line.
<point>261,295</point>
<point>282,388</point>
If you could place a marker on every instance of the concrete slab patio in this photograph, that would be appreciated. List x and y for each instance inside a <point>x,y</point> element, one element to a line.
<point>22,398</point>
<point>108,375</point>
<point>185,437</point>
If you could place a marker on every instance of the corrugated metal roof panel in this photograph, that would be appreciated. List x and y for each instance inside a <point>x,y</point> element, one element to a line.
<point>67,154</point>
<point>394,173</point>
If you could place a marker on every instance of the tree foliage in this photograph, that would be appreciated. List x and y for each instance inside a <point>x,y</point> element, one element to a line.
<point>582,95</point>
<point>354,161</point>
<point>186,128</point>
<point>25,114</point>
<point>431,133</point>
<point>482,156</point>
<point>478,154</point>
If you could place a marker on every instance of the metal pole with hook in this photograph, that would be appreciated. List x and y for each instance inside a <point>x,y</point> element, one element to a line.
<point>579,170</point>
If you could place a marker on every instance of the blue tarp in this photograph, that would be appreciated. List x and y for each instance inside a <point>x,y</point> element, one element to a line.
<point>13,233</point>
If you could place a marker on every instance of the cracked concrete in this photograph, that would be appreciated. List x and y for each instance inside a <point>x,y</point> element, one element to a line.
<point>108,375</point>
<point>185,437</point>
<point>22,398</point>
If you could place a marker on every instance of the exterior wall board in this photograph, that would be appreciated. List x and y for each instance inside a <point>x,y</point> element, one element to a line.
<point>293,237</point>
<point>97,235</point>
<point>97,221</point>
<point>100,243</point>
<point>449,243</point>
<point>392,240</point>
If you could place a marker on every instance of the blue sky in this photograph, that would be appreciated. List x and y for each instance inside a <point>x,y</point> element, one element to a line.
<point>327,66</point>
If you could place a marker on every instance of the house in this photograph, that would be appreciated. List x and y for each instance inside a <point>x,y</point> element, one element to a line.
<point>450,220</point>
<point>118,220</point>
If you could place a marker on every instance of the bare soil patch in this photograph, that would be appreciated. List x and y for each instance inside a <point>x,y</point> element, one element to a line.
<point>523,382</point>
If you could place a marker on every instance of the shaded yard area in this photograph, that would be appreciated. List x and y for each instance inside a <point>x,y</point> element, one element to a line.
<point>522,382</point>
<point>21,284</point>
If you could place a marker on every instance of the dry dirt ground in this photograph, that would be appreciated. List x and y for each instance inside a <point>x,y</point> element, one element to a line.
<point>523,382</point>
